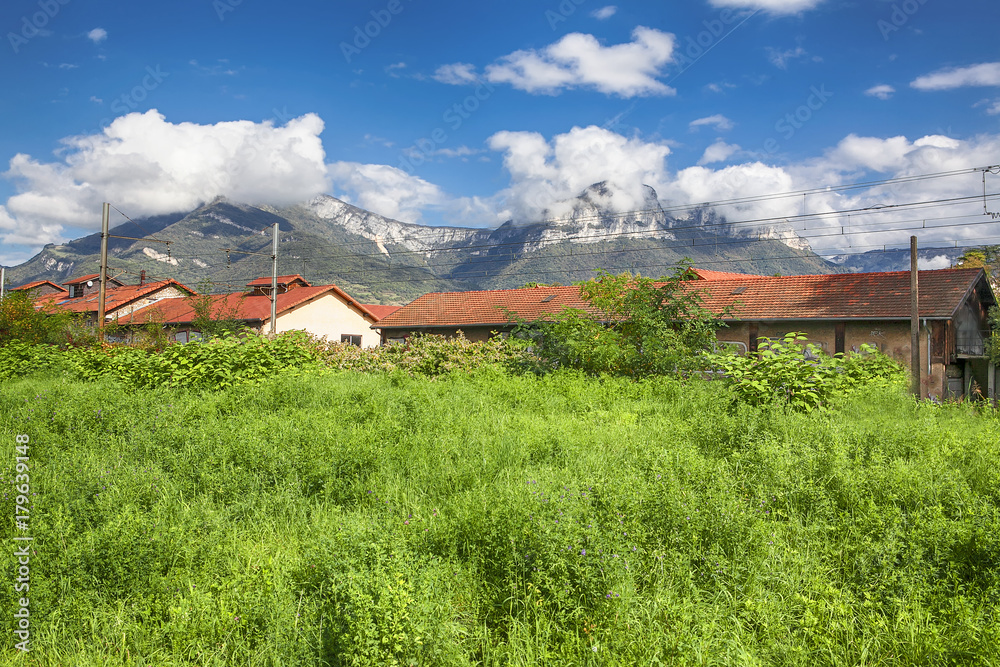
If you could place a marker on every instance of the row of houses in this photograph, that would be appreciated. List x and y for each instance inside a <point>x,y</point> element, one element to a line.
<point>323,310</point>
<point>838,313</point>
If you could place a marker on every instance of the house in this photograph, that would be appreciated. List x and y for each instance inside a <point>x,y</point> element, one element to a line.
<point>262,286</point>
<point>322,310</point>
<point>840,312</point>
<point>89,284</point>
<point>119,299</point>
<point>40,288</point>
<point>837,312</point>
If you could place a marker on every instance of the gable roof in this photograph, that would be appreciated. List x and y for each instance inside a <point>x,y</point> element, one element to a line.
<point>114,299</point>
<point>282,280</point>
<point>844,296</point>
<point>91,276</point>
<point>841,296</point>
<point>484,308</point>
<point>39,283</point>
<point>381,311</point>
<point>706,274</point>
<point>245,307</point>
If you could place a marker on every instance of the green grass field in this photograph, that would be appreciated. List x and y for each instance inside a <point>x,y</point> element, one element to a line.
<point>492,519</point>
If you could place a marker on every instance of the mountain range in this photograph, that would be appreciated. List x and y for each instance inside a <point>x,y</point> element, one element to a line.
<point>222,245</point>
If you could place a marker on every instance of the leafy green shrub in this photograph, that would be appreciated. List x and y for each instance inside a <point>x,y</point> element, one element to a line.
<point>422,354</point>
<point>20,320</point>
<point>801,377</point>
<point>19,358</point>
<point>213,364</point>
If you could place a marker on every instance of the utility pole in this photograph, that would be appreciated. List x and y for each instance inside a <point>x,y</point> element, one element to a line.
<point>3,281</point>
<point>105,217</point>
<point>914,322</point>
<point>274,281</point>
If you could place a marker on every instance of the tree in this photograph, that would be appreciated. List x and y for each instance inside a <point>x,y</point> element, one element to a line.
<point>212,317</point>
<point>20,320</point>
<point>635,326</point>
<point>986,257</point>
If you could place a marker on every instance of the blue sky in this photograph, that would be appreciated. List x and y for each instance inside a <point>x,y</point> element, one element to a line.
<point>474,113</point>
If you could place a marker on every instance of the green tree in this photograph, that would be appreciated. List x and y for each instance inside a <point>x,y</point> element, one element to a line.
<point>986,257</point>
<point>634,326</point>
<point>20,320</point>
<point>212,317</point>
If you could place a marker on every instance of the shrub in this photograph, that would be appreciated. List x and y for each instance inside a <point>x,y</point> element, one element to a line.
<point>801,377</point>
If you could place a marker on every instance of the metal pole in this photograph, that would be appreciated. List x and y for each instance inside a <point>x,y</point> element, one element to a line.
<point>105,216</point>
<point>915,323</point>
<point>274,281</point>
<point>3,281</point>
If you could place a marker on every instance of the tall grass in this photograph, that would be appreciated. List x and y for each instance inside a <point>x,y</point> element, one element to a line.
<point>485,518</point>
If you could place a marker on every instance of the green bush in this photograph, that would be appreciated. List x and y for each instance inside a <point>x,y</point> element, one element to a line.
<point>636,326</point>
<point>800,375</point>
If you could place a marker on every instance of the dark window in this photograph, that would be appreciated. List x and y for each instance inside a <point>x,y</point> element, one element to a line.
<point>352,339</point>
<point>839,333</point>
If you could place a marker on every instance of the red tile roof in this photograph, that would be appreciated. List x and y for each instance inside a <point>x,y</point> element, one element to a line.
<point>836,296</point>
<point>114,299</point>
<point>39,283</point>
<point>483,308</point>
<point>381,311</point>
<point>249,308</point>
<point>706,274</point>
<point>282,280</point>
<point>83,279</point>
<point>842,296</point>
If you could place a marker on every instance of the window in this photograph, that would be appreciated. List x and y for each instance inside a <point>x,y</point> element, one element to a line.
<point>351,338</point>
<point>395,341</point>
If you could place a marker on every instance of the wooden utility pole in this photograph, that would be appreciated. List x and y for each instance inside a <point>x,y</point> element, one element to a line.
<point>914,322</point>
<point>274,281</point>
<point>105,217</point>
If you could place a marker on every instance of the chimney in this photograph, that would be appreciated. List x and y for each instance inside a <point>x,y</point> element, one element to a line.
<point>142,277</point>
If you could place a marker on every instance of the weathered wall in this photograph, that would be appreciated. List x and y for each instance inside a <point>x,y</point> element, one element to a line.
<point>891,337</point>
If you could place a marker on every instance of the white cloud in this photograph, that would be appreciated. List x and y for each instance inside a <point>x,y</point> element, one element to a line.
<point>718,121</point>
<point>146,166</point>
<point>720,151</point>
<point>456,74</point>
<point>580,61</point>
<point>461,151</point>
<point>994,108</point>
<point>882,91</point>
<point>780,59</point>
<point>778,7</point>
<point>97,35</point>
<point>546,175</point>
<point>96,100</point>
<point>392,69</point>
<point>983,74</point>
<point>604,13</point>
